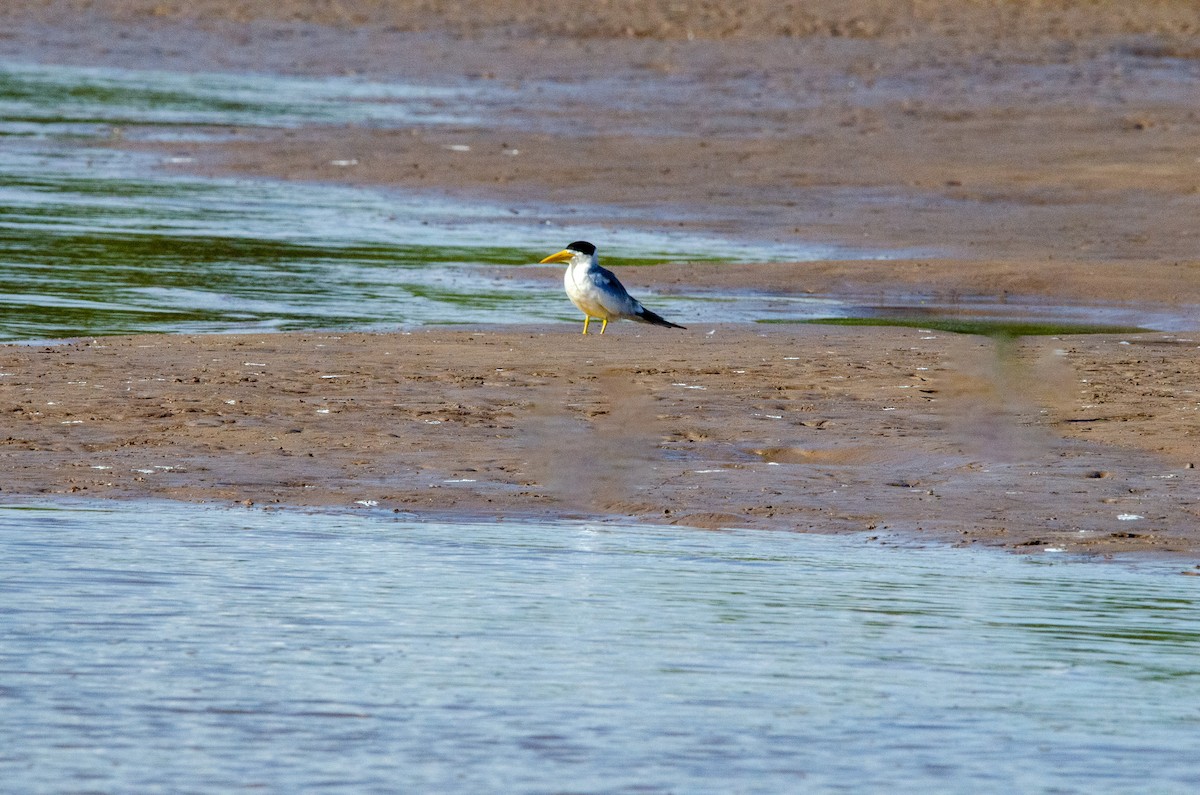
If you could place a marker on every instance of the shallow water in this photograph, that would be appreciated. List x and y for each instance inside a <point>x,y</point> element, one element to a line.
<point>155,647</point>
<point>95,239</point>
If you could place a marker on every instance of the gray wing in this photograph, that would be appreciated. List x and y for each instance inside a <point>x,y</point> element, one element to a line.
<point>612,294</point>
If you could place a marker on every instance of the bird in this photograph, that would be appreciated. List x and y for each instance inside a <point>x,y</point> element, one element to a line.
<point>597,291</point>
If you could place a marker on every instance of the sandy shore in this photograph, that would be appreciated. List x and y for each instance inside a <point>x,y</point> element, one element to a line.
<point>1048,443</point>
<point>1034,153</point>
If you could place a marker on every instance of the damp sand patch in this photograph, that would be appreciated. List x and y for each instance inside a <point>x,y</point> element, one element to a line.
<point>978,326</point>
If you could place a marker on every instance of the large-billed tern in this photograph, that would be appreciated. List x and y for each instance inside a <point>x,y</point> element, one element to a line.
<point>597,291</point>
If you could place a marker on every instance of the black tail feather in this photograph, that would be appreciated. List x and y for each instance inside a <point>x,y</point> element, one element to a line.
<point>646,316</point>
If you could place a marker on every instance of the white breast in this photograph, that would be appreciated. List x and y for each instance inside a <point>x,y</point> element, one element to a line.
<point>584,293</point>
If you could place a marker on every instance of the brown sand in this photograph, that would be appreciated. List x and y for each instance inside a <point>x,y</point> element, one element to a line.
<point>1035,151</point>
<point>1048,442</point>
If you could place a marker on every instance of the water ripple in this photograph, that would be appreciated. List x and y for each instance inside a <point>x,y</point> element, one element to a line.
<point>152,644</point>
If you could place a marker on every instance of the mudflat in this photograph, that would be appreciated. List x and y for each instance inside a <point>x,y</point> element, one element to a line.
<point>996,150</point>
<point>1079,443</point>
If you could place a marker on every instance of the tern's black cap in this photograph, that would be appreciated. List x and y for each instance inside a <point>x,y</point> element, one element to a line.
<point>583,247</point>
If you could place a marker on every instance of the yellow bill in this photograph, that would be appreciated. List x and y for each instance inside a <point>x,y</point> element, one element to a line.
<point>561,256</point>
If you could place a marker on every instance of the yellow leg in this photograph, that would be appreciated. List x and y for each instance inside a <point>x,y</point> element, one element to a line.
<point>603,324</point>
<point>586,319</point>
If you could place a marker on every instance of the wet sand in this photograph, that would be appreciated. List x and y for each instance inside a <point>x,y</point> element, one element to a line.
<point>1042,443</point>
<point>1023,154</point>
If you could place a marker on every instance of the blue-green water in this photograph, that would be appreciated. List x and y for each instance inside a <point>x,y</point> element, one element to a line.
<point>162,648</point>
<point>98,239</point>
<point>46,101</point>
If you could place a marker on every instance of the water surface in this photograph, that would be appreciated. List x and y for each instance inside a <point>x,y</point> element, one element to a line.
<point>96,239</point>
<point>153,647</point>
